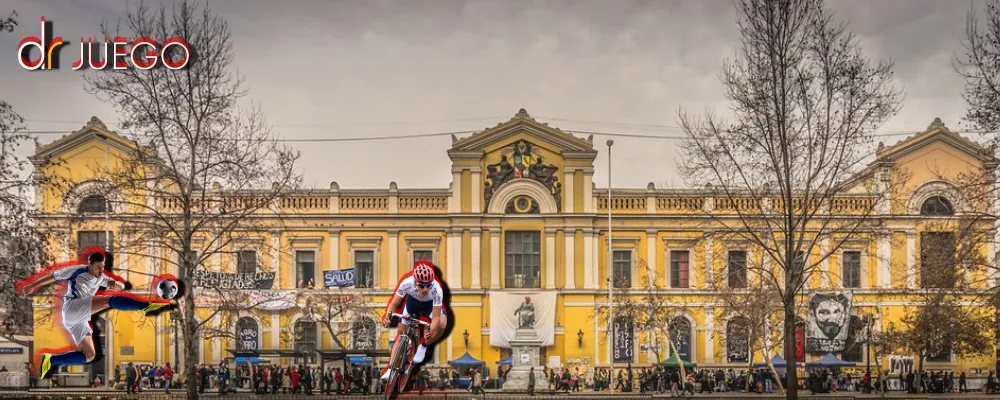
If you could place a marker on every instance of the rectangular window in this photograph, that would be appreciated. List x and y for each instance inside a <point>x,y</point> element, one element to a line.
<point>423,255</point>
<point>87,239</point>
<point>305,269</point>
<point>192,258</point>
<point>623,268</point>
<point>364,268</point>
<point>737,269</point>
<point>679,269</point>
<point>852,269</point>
<point>937,260</point>
<point>246,262</point>
<point>523,260</point>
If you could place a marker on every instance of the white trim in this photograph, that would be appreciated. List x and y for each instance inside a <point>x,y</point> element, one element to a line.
<point>709,335</point>
<point>588,261</point>
<point>466,304</point>
<point>651,255</point>
<point>217,343</point>
<point>824,276</point>
<point>569,178</point>
<point>911,260</point>
<point>275,330</point>
<point>367,243</point>
<point>423,243</point>
<point>157,339</point>
<point>692,280</point>
<point>709,253</point>
<point>334,251</point>
<point>935,188</point>
<point>477,190</point>
<point>569,260</point>
<point>523,187</point>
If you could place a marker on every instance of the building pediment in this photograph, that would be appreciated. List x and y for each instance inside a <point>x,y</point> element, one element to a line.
<point>93,130</point>
<point>936,132</point>
<point>522,124</point>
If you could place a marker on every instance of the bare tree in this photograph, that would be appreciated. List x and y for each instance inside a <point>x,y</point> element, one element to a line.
<point>755,305</point>
<point>23,243</point>
<point>341,313</point>
<point>204,175</point>
<point>980,66</point>
<point>806,102</point>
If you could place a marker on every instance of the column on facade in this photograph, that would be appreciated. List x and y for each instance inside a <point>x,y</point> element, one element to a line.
<point>991,277</point>
<point>495,259</point>
<point>911,259</point>
<point>477,247</point>
<point>334,250</point>
<point>158,339</point>
<point>455,205</point>
<point>569,197</point>
<point>477,192</point>
<point>709,256</point>
<point>824,276</point>
<point>653,272</point>
<point>570,258</point>
<point>589,269</point>
<point>709,331</point>
<point>275,330</point>
<point>217,341</point>
<point>393,256</point>
<point>882,260</point>
<point>455,258</point>
<point>550,259</point>
<point>588,190</point>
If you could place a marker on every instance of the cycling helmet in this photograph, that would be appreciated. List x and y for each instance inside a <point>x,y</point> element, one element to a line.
<point>423,271</point>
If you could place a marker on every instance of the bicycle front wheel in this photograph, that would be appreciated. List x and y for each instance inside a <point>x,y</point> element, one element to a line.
<point>395,366</point>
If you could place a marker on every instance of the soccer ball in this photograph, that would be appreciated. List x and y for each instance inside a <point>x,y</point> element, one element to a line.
<point>166,289</point>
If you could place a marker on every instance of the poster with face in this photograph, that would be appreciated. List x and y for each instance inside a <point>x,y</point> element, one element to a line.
<point>829,322</point>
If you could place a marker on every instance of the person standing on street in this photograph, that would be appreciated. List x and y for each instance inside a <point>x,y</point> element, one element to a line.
<point>168,377</point>
<point>531,381</point>
<point>129,378</point>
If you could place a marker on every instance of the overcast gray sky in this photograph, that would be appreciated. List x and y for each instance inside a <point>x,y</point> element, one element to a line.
<point>382,68</point>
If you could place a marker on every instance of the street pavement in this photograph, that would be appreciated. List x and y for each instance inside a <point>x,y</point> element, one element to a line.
<point>103,394</point>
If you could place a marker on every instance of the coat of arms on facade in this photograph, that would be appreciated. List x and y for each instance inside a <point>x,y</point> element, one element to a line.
<point>523,164</point>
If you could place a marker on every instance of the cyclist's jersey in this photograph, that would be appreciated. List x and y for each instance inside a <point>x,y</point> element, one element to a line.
<point>407,287</point>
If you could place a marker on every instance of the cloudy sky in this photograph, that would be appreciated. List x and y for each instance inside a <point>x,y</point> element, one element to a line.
<point>349,69</point>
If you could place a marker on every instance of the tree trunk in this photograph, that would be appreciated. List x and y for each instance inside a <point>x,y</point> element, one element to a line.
<point>190,326</point>
<point>791,372</point>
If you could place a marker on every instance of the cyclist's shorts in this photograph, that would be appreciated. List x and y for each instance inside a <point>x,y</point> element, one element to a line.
<point>419,309</point>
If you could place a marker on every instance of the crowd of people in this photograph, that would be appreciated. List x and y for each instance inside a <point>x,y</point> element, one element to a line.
<point>363,379</point>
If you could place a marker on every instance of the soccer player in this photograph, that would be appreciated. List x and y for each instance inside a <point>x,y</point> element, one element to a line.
<point>424,297</point>
<point>80,302</point>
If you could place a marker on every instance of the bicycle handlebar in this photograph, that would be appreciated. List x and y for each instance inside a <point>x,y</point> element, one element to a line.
<point>409,318</point>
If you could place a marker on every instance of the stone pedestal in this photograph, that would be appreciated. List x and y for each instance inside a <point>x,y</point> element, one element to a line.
<point>525,346</point>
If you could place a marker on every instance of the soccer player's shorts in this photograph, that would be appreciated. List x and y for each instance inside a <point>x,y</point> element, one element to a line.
<point>76,317</point>
<point>418,308</point>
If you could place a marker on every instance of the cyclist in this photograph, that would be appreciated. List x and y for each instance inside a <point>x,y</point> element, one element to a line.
<point>421,295</point>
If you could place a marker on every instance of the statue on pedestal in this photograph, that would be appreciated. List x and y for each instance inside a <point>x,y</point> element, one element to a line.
<point>525,314</point>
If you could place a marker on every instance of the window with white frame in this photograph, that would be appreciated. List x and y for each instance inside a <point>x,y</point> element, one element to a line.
<point>305,268</point>
<point>523,260</point>
<point>622,268</point>
<point>246,262</point>
<point>737,269</point>
<point>851,269</point>
<point>364,268</point>
<point>679,268</point>
<point>427,255</point>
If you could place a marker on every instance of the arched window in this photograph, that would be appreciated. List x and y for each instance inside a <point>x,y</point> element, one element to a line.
<point>364,333</point>
<point>680,334</point>
<point>247,334</point>
<point>738,340</point>
<point>94,204</point>
<point>937,205</point>
<point>305,341</point>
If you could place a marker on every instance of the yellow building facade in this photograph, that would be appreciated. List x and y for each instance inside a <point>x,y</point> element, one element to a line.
<point>521,216</point>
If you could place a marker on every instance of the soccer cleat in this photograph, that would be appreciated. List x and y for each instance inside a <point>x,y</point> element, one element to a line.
<point>385,374</point>
<point>421,352</point>
<point>46,365</point>
<point>153,307</point>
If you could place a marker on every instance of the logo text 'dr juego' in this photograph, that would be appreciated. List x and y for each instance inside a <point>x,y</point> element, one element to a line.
<point>118,53</point>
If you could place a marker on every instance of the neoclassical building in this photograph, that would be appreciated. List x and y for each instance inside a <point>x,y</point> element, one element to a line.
<point>521,217</point>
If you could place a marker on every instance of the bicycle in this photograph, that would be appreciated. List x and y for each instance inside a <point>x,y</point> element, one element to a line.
<point>399,365</point>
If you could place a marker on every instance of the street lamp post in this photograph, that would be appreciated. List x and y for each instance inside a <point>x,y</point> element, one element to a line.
<point>611,282</point>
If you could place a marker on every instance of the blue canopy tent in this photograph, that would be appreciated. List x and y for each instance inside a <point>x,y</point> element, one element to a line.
<point>359,360</point>
<point>778,361</point>
<point>506,361</point>
<point>251,360</point>
<point>466,360</point>
<point>829,361</point>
